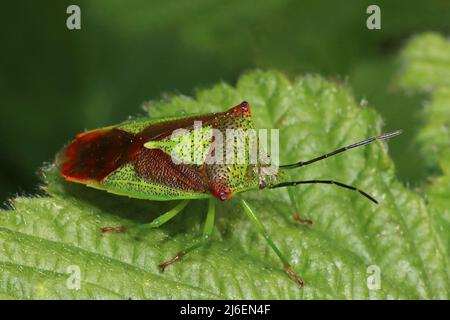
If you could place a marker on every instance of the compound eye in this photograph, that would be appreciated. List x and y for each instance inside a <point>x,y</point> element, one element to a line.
<point>223,196</point>
<point>221,191</point>
<point>262,184</point>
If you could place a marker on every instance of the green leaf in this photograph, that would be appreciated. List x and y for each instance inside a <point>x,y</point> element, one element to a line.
<point>426,68</point>
<point>425,63</point>
<point>43,236</point>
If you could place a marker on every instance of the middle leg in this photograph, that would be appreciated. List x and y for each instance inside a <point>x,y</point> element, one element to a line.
<point>207,231</point>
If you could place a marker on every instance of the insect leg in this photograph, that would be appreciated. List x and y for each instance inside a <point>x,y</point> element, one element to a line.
<point>159,221</point>
<point>154,224</point>
<point>296,215</point>
<point>287,267</point>
<point>207,231</point>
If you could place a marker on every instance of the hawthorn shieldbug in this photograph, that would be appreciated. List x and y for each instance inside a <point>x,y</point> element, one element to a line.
<point>138,159</point>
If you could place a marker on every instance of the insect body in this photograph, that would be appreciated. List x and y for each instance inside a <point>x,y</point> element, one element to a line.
<point>142,159</point>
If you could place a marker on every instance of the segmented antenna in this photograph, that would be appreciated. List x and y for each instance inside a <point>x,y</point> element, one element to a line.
<point>337,183</point>
<point>327,155</point>
<point>340,150</point>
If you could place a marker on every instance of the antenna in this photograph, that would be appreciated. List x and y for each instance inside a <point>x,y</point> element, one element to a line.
<point>340,150</point>
<point>327,155</point>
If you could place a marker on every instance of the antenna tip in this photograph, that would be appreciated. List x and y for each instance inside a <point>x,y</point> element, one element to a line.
<point>390,134</point>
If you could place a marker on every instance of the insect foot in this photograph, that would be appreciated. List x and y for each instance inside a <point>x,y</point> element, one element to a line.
<point>118,229</point>
<point>176,258</point>
<point>293,276</point>
<point>300,219</point>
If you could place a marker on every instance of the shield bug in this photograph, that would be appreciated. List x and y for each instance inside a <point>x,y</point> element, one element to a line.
<point>145,159</point>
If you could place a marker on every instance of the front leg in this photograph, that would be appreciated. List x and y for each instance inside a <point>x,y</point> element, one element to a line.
<point>263,231</point>
<point>296,215</point>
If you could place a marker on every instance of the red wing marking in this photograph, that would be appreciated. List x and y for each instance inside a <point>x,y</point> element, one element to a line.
<point>95,154</point>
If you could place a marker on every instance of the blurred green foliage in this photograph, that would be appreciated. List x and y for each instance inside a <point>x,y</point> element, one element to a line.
<point>55,82</point>
<point>425,65</point>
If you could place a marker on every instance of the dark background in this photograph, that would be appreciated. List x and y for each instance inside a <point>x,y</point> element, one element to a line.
<point>55,82</point>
